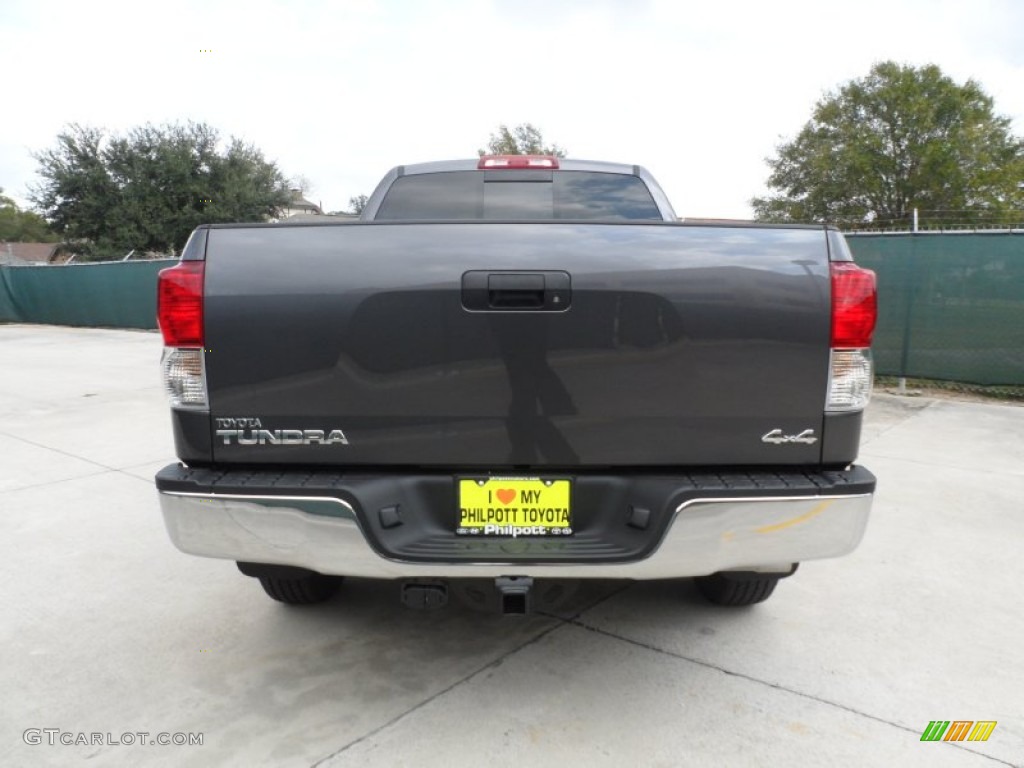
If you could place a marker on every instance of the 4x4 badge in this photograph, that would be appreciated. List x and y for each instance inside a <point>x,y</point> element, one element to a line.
<point>776,437</point>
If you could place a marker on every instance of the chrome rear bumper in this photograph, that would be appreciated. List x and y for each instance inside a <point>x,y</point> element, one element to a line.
<point>703,536</point>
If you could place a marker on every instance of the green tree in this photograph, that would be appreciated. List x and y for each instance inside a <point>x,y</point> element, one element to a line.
<point>18,226</point>
<point>524,139</point>
<point>149,188</point>
<point>901,138</point>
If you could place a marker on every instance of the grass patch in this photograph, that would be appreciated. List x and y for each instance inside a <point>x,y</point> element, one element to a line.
<point>936,386</point>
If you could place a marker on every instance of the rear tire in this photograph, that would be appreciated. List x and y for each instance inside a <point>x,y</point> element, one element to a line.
<point>303,590</point>
<point>721,589</point>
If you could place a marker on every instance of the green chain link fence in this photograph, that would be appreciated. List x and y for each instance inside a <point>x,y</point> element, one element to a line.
<point>951,307</point>
<point>109,295</point>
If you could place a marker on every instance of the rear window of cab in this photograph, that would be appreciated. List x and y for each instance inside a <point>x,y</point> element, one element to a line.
<point>518,195</point>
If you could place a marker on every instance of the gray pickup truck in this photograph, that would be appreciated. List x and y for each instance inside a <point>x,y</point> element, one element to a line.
<point>516,368</point>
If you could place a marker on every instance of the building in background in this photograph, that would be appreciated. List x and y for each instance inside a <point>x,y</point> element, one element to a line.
<point>299,206</point>
<point>18,254</point>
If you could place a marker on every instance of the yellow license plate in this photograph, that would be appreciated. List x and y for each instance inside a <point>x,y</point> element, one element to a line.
<point>514,506</point>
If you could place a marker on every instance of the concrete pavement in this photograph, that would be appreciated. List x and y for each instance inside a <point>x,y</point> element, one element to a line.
<point>109,630</point>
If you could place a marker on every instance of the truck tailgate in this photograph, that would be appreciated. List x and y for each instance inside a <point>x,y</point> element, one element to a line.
<point>672,345</point>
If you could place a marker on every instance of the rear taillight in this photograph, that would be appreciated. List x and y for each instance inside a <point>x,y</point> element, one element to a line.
<point>184,373</point>
<point>180,317</point>
<point>850,379</point>
<point>179,304</point>
<point>854,313</point>
<point>497,162</point>
<point>854,305</point>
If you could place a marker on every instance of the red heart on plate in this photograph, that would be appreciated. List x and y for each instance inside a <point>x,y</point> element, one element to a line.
<point>505,495</point>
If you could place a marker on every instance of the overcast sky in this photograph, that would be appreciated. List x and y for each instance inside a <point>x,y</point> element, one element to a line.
<point>339,92</point>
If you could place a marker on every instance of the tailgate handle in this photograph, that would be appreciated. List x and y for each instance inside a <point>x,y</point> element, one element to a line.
<point>510,291</point>
<point>515,291</point>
